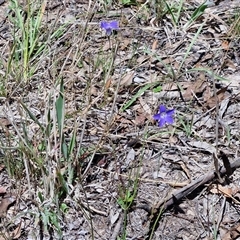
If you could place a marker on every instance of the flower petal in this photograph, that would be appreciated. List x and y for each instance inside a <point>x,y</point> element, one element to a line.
<point>170,112</point>
<point>108,31</point>
<point>161,122</point>
<point>157,117</point>
<point>164,116</point>
<point>113,25</point>
<point>104,25</point>
<point>162,108</point>
<point>169,119</point>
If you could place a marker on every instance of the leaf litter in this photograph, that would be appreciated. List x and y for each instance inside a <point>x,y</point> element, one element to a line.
<point>114,107</point>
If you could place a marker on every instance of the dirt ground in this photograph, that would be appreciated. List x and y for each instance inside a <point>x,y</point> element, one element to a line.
<point>197,67</point>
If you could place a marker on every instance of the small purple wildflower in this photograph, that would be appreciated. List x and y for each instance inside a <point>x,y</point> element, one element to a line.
<point>109,26</point>
<point>164,116</point>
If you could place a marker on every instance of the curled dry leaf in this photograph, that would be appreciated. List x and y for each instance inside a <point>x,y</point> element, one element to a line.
<point>219,189</point>
<point>221,95</point>
<point>225,45</point>
<point>17,232</point>
<point>108,83</point>
<point>6,201</point>
<point>154,45</point>
<point>2,190</point>
<point>197,87</point>
<point>227,191</point>
<point>4,122</point>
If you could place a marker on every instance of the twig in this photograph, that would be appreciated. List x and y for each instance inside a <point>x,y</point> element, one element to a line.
<point>215,158</point>
<point>180,194</point>
<point>185,191</point>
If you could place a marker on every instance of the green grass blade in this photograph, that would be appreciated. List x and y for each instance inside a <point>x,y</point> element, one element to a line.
<point>32,116</point>
<point>137,95</point>
<point>63,184</point>
<point>171,13</point>
<point>179,11</point>
<point>196,14</point>
<point>60,108</point>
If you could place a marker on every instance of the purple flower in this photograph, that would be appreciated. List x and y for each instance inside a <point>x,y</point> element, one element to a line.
<point>164,116</point>
<point>109,26</point>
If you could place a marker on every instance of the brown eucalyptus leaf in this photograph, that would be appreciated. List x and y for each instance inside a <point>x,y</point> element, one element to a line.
<point>154,45</point>
<point>221,95</point>
<point>17,232</point>
<point>197,87</point>
<point>127,79</point>
<point>219,189</point>
<point>4,122</point>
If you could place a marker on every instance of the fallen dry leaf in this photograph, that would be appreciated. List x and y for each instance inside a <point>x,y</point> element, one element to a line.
<point>221,95</point>
<point>170,87</point>
<point>12,235</point>
<point>227,191</point>
<point>145,106</point>
<point>142,59</point>
<point>2,190</point>
<point>230,64</point>
<point>154,45</point>
<point>219,189</point>
<point>122,120</point>
<point>6,201</point>
<point>140,119</point>
<point>225,45</point>
<point>108,83</point>
<point>124,45</point>
<point>197,87</point>
<point>4,122</point>
<point>107,46</point>
<point>17,232</point>
<point>127,79</point>
<point>202,146</point>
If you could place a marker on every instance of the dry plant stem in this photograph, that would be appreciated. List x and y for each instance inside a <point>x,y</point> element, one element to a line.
<point>185,191</point>
<point>215,158</point>
<point>109,121</point>
<point>116,91</point>
<point>220,217</point>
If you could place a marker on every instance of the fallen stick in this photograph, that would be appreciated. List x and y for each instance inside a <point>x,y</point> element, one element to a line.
<point>176,196</point>
<point>185,191</point>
